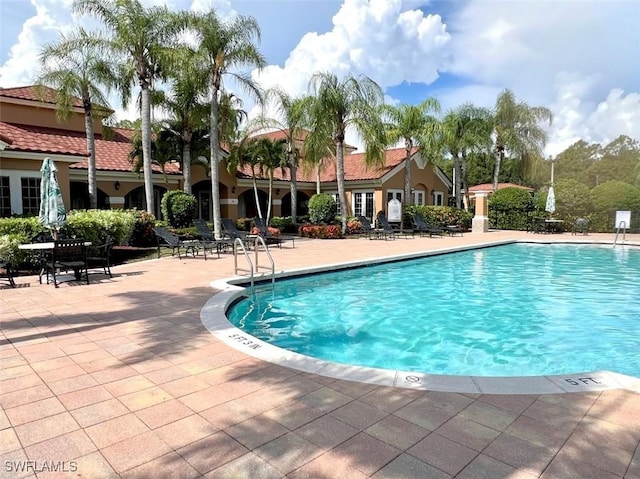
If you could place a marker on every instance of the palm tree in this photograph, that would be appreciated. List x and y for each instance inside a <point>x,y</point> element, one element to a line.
<point>294,123</point>
<point>465,129</point>
<point>338,105</point>
<point>189,114</point>
<point>226,46</point>
<point>413,125</point>
<point>143,39</point>
<point>76,68</point>
<point>516,128</point>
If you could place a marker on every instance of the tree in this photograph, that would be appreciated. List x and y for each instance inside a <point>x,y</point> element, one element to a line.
<point>412,125</point>
<point>465,130</point>
<point>271,155</point>
<point>294,123</point>
<point>76,68</point>
<point>143,39</point>
<point>517,130</point>
<point>189,114</point>
<point>338,105</point>
<point>226,46</point>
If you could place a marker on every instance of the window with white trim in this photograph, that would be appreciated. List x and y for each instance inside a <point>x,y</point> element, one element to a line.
<point>438,198</point>
<point>418,197</point>
<point>363,204</point>
<point>395,194</point>
<point>5,197</point>
<point>30,196</point>
<point>336,197</point>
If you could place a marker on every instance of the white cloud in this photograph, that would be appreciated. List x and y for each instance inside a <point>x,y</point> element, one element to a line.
<point>371,37</point>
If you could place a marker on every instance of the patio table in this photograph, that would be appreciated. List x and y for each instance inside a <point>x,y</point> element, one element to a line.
<point>42,249</point>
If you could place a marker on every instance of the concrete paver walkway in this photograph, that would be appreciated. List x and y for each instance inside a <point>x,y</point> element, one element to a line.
<point>120,379</point>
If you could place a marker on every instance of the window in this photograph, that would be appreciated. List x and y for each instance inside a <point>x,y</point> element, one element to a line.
<point>5,197</point>
<point>336,197</point>
<point>30,196</point>
<point>418,197</point>
<point>438,198</point>
<point>363,204</point>
<point>394,194</point>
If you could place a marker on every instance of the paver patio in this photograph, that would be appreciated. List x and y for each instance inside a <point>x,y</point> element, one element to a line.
<point>120,378</point>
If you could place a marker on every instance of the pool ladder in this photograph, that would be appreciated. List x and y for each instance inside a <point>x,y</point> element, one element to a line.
<point>621,226</point>
<point>253,267</point>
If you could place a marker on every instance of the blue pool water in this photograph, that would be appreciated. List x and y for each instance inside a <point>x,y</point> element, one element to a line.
<point>514,310</point>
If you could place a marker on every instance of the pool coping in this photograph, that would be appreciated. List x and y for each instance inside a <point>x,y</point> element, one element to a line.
<point>213,317</point>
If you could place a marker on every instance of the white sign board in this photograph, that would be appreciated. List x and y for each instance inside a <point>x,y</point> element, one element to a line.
<point>623,219</point>
<point>394,210</point>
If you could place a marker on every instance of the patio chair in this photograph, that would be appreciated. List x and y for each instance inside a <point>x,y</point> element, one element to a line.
<point>7,272</point>
<point>270,238</point>
<point>208,238</point>
<point>386,226</point>
<point>581,226</point>
<point>373,233</point>
<point>68,254</point>
<point>422,227</point>
<point>100,256</point>
<point>170,241</point>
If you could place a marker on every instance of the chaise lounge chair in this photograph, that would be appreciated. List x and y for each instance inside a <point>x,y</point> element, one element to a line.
<point>384,222</point>
<point>423,228</point>
<point>375,233</point>
<point>208,239</point>
<point>269,237</point>
<point>170,241</point>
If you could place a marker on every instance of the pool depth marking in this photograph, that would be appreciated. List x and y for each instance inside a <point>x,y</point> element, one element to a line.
<point>213,317</point>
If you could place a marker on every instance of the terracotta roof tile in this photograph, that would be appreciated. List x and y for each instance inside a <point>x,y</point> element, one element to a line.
<point>35,93</point>
<point>111,154</point>
<point>355,168</point>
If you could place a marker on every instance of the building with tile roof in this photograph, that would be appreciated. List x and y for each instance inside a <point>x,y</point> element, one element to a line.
<point>30,131</point>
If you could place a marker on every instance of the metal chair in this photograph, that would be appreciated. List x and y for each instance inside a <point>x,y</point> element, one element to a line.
<point>101,256</point>
<point>168,240</point>
<point>7,274</point>
<point>68,254</point>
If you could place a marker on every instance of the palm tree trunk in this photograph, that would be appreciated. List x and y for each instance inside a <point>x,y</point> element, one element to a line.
<point>458,179</point>
<point>294,188</point>
<point>465,182</point>
<point>255,194</point>
<point>406,198</point>
<point>496,171</point>
<point>340,176</point>
<point>186,164</point>
<point>318,179</point>
<point>266,221</point>
<point>91,148</point>
<point>146,145</point>
<point>215,162</point>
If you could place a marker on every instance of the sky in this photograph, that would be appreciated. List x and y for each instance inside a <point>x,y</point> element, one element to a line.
<point>576,57</point>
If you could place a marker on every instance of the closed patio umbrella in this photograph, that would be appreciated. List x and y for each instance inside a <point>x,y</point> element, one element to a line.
<point>52,211</point>
<point>551,201</point>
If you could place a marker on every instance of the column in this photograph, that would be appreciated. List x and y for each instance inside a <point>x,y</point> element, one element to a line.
<point>480,222</point>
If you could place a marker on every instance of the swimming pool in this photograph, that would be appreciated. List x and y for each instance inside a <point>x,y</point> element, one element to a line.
<point>515,310</point>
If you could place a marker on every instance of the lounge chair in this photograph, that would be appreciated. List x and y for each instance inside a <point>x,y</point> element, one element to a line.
<point>384,222</point>
<point>208,239</point>
<point>7,273</point>
<point>170,241</point>
<point>422,227</point>
<point>373,233</point>
<point>270,238</point>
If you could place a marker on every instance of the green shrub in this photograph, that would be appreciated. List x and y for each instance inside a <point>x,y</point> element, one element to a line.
<point>283,223</point>
<point>142,234</point>
<point>93,225</point>
<point>573,200</point>
<point>322,209</point>
<point>439,215</point>
<point>29,227</point>
<point>178,208</point>
<point>10,253</point>
<point>615,195</point>
<point>353,226</point>
<point>244,224</point>
<point>510,209</point>
<point>320,231</point>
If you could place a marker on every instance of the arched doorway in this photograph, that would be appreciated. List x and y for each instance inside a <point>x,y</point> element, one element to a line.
<point>302,205</point>
<point>80,196</point>
<point>136,199</point>
<point>202,191</point>
<point>247,204</point>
